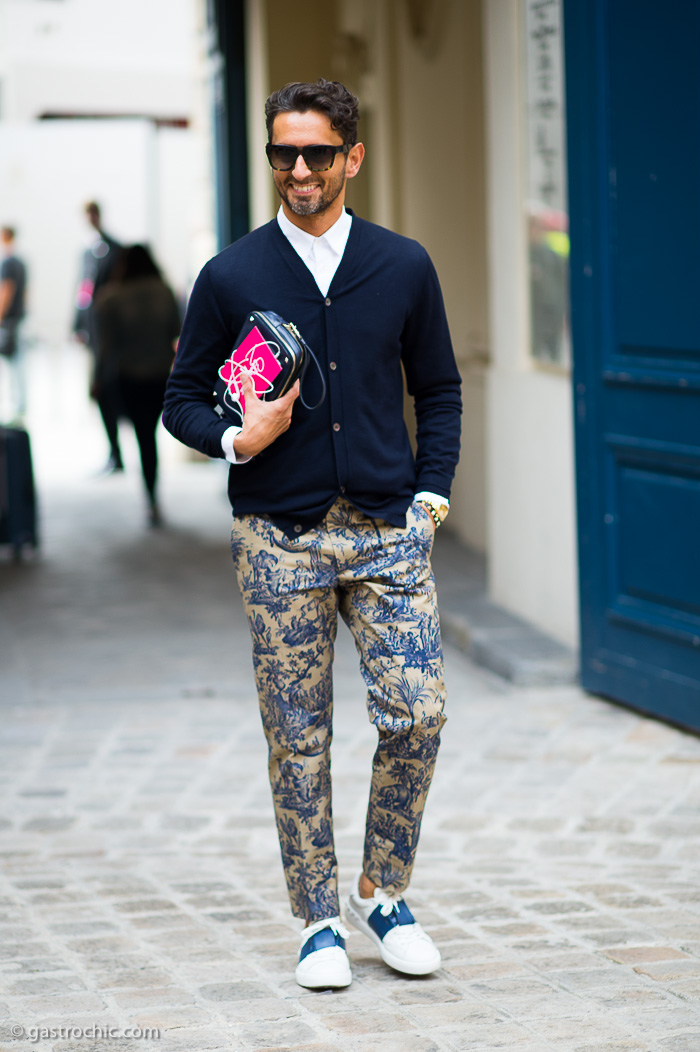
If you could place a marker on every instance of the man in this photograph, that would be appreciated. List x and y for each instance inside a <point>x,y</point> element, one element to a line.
<point>13,284</point>
<point>332,513</point>
<point>98,261</point>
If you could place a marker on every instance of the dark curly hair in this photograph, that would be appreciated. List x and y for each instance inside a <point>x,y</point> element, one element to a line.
<point>134,262</point>
<point>327,96</point>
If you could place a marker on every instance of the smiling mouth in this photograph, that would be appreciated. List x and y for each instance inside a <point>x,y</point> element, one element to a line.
<point>303,188</point>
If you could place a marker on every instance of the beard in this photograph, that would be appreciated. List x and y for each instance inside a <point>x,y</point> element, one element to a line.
<point>316,203</point>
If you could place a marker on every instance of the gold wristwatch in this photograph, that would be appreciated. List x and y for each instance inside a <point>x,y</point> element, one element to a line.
<point>438,511</point>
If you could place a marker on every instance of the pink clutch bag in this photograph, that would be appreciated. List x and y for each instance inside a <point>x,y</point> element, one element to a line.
<point>275,355</point>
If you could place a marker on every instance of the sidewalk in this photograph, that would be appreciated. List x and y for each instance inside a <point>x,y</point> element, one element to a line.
<point>141,884</point>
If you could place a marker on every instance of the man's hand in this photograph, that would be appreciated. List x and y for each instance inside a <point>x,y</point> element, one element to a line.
<point>263,422</point>
<point>432,520</point>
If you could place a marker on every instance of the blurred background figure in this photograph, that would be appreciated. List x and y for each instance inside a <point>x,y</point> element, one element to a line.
<point>549,284</point>
<point>13,284</point>
<point>97,264</point>
<point>137,322</point>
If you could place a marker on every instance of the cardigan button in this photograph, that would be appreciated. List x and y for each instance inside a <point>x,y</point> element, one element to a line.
<point>328,302</point>
<point>297,528</point>
<point>333,366</point>
<point>336,427</point>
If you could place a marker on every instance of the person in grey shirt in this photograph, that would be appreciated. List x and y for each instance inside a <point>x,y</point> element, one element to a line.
<point>13,284</point>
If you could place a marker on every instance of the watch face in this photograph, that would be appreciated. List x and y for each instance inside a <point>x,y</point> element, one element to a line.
<point>442,511</point>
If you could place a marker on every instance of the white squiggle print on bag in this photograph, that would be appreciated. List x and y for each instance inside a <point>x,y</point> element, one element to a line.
<point>259,358</point>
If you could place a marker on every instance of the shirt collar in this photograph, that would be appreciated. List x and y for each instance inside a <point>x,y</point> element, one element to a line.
<point>336,236</point>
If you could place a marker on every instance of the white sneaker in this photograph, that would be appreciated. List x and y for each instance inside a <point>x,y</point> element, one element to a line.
<point>388,922</point>
<point>323,962</point>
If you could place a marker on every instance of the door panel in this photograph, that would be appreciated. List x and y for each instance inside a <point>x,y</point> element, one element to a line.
<point>633,102</point>
<point>654,163</point>
<point>668,502</point>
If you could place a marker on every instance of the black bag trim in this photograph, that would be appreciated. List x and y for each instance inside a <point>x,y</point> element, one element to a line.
<point>292,353</point>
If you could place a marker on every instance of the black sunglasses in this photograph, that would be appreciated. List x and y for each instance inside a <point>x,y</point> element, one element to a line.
<point>316,158</point>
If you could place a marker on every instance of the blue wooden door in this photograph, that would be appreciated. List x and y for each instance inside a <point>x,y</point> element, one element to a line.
<point>633,113</point>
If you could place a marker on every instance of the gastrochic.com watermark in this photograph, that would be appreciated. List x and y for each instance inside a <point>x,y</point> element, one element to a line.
<point>78,1033</point>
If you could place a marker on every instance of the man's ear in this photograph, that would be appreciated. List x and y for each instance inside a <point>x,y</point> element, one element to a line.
<point>355,156</point>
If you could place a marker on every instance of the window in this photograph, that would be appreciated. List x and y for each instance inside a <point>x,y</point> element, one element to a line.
<point>547,207</point>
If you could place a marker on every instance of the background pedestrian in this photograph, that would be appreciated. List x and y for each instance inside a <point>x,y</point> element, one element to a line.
<point>137,322</point>
<point>13,287</point>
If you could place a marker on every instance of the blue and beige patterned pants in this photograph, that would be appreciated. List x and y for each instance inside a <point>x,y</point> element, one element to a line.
<point>378,577</point>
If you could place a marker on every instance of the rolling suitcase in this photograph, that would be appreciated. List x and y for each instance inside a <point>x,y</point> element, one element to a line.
<point>17,495</point>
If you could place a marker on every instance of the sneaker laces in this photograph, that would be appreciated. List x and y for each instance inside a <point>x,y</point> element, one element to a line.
<point>386,901</point>
<point>333,923</point>
<point>402,932</point>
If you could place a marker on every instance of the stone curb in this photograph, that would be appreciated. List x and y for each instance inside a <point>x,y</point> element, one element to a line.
<point>489,634</point>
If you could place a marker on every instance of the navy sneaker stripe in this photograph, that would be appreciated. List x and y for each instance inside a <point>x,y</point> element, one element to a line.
<point>400,914</point>
<point>323,938</point>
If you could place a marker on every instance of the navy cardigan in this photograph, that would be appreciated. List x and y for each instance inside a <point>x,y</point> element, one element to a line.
<point>384,309</point>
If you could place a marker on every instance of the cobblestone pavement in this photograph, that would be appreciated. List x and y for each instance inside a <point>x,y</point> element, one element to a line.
<point>141,883</point>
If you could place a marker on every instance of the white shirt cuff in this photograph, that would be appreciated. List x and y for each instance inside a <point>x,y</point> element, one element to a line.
<point>432,498</point>
<point>227,440</point>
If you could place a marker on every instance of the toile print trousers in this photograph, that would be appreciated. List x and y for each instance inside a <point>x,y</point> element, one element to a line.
<point>379,579</point>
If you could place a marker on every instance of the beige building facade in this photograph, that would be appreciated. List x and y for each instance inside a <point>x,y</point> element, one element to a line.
<point>442,91</point>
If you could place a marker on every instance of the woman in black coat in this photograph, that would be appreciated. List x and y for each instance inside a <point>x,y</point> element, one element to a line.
<point>137,323</point>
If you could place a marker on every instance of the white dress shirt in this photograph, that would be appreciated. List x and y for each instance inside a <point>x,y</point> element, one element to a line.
<point>322,255</point>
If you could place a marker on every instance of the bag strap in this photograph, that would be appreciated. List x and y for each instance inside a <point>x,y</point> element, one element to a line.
<point>302,375</point>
